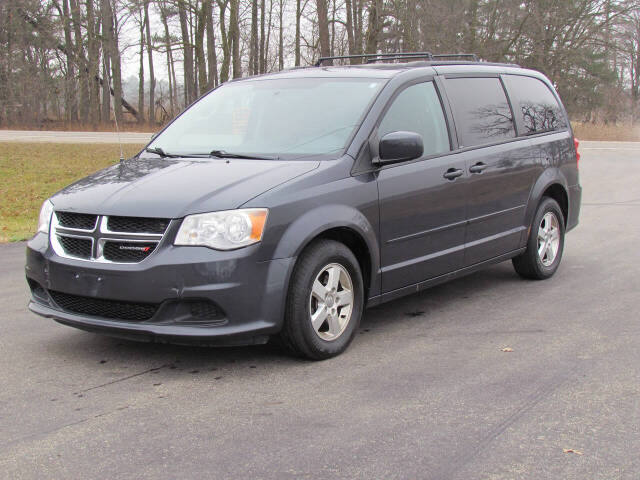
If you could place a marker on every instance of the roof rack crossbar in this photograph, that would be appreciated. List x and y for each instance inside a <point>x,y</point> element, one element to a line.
<point>377,56</point>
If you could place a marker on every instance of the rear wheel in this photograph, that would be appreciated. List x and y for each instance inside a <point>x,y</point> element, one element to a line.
<point>324,302</point>
<point>545,245</point>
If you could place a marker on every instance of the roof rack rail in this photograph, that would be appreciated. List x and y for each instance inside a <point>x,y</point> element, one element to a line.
<point>472,56</point>
<point>373,56</point>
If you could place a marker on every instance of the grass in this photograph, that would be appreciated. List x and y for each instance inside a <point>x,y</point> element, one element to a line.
<point>32,172</point>
<point>613,133</point>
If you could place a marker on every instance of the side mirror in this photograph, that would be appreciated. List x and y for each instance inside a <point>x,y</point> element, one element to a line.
<point>400,146</point>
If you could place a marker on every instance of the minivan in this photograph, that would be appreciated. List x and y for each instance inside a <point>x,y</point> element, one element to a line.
<point>281,205</point>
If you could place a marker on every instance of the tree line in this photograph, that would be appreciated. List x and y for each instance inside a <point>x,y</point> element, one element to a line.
<point>62,60</point>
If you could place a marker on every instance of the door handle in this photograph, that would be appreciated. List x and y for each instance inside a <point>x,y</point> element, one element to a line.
<point>478,167</point>
<point>452,173</point>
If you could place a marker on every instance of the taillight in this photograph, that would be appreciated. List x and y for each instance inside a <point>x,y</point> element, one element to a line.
<point>576,142</point>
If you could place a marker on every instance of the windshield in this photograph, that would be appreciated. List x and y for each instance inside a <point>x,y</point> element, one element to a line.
<point>284,118</point>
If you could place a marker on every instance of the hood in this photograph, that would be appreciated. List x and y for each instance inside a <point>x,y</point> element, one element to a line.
<point>173,188</point>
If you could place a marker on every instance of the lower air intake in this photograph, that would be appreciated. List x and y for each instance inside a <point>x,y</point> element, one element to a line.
<point>97,307</point>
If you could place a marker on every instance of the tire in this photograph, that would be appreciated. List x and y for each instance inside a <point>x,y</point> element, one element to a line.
<point>548,228</point>
<point>323,261</point>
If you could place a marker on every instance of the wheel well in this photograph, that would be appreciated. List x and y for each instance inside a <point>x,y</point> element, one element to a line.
<point>558,193</point>
<point>357,245</point>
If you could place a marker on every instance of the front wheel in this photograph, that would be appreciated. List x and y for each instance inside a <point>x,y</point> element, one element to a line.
<point>324,302</point>
<point>546,243</point>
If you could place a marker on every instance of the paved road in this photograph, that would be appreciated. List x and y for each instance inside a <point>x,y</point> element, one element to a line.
<point>72,137</point>
<point>42,136</point>
<point>424,392</point>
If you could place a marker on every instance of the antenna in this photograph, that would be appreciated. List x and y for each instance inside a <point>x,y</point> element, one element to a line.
<point>115,120</point>
<point>107,78</point>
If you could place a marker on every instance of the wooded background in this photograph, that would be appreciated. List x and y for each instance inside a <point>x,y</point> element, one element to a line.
<point>61,61</point>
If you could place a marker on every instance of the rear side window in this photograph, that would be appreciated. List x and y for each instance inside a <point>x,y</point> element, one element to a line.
<point>538,107</point>
<point>417,109</point>
<point>480,110</point>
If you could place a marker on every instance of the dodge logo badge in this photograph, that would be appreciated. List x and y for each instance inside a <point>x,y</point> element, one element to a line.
<point>132,247</point>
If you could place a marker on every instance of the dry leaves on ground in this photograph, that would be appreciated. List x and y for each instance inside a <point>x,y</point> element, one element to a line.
<point>571,450</point>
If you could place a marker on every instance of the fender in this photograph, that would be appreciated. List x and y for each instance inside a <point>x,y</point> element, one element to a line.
<point>550,176</point>
<point>314,222</point>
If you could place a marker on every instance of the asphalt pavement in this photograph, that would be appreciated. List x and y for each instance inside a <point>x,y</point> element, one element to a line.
<point>424,392</point>
<point>42,136</point>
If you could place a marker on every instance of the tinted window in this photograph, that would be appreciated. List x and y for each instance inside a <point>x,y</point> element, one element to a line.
<point>538,106</point>
<point>417,109</point>
<point>480,110</point>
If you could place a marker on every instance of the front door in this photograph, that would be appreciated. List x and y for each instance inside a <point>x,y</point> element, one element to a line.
<point>422,202</point>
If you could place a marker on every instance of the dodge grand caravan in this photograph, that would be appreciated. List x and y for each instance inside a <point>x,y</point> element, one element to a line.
<point>282,205</point>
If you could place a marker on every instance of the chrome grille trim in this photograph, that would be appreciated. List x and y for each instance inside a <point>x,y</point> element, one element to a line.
<point>99,236</point>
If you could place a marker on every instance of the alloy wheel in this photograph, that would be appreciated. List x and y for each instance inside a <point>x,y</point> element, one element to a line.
<point>548,238</point>
<point>331,302</point>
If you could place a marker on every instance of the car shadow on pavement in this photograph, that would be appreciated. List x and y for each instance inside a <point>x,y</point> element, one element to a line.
<point>423,310</point>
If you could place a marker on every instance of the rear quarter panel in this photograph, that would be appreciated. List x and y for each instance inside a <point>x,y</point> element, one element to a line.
<point>558,166</point>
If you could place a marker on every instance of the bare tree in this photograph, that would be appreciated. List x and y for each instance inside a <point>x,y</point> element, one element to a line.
<point>254,51</point>
<point>107,30</point>
<point>152,76</point>
<point>71,106</point>
<point>234,35</point>
<point>116,66</point>
<point>297,40</point>
<point>212,59</point>
<point>323,28</point>
<point>93,29</point>
<point>187,48</point>
<point>142,21</point>
<point>280,35</point>
<point>374,28</point>
<point>226,42</point>
<point>199,49</point>
<point>56,55</point>
<point>81,62</point>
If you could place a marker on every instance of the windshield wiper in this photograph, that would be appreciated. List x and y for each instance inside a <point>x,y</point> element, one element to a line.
<point>213,153</point>
<point>223,154</point>
<point>161,152</point>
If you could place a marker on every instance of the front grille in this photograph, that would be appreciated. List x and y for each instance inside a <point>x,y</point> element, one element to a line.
<point>76,247</point>
<point>81,221</point>
<point>98,307</point>
<point>106,238</point>
<point>128,252</point>
<point>137,225</point>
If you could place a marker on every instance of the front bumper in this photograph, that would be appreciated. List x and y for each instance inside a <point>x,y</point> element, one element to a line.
<point>248,294</point>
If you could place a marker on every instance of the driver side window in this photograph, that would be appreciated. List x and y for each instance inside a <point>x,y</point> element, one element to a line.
<point>417,109</point>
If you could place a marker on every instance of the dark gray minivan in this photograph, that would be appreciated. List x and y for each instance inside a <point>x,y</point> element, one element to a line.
<point>282,205</point>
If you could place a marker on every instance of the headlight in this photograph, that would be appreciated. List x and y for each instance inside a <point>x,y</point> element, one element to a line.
<point>223,230</point>
<point>45,217</point>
